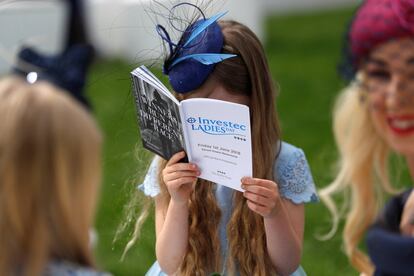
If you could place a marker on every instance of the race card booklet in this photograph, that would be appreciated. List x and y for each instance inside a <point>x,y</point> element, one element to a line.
<point>215,134</point>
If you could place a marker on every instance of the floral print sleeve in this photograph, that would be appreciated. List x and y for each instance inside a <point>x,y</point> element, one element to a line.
<point>293,175</point>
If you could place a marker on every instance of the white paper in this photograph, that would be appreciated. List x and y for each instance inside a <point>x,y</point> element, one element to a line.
<point>219,140</point>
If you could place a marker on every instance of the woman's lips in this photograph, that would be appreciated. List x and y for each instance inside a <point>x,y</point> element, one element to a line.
<point>402,125</point>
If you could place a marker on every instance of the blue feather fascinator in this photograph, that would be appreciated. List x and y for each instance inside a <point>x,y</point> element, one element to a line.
<point>193,58</point>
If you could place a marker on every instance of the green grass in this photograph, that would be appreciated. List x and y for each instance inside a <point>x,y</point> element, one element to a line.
<point>303,51</point>
<point>109,87</point>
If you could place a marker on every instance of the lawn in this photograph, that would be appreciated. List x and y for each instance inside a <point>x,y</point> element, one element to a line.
<point>303,52</point>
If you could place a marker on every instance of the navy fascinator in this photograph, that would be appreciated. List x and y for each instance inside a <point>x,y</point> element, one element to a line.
<point>66,70</point>
<point>391,253</point>
<point>193,58</point>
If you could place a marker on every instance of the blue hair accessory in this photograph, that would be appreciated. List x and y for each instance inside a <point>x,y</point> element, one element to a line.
<point>66,70</point>
<point>193,58</point>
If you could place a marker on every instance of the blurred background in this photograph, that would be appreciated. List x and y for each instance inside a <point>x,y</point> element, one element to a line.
<point>302,39</point>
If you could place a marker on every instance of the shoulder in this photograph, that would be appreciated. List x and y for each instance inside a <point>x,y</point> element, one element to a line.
<point>289,151</point>
<point>293,175</point>
<point>65,268</point>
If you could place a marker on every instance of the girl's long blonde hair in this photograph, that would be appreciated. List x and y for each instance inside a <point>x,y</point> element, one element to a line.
<point>49,176</point>
<point>362,170</point>
<point>246,74</point>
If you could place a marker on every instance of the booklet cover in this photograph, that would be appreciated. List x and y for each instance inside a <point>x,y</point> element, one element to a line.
<point>215,134</point>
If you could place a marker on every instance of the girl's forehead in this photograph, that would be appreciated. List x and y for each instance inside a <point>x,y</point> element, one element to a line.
<point>395,50</point>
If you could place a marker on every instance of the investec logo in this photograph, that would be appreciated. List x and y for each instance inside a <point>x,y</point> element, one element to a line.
<point>216,127</point>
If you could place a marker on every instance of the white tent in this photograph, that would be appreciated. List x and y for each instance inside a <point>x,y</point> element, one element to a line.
<point>119,28</point>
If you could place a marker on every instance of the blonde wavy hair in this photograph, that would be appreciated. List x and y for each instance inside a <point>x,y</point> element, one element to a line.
<point>246,74</point>
<point>362,171</point>
<point>49,177</point>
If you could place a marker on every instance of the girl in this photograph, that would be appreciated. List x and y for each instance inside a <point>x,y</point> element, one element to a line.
<point>202,227</point>
<point>374,117</point>
<point>49,180</point>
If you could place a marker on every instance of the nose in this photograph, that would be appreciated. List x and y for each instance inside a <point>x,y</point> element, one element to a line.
<point>396,94</point>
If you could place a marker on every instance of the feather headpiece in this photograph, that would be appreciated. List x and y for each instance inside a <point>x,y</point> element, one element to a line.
<point>192,59</point>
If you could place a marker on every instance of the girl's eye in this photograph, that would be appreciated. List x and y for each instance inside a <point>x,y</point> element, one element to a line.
<point>378,74</point>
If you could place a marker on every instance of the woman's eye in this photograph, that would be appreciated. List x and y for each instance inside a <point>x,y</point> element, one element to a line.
<point>378,74</point>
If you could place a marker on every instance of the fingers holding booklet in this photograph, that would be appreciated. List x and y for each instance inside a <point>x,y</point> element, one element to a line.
<point>180,178</point>
<point>215,134</point>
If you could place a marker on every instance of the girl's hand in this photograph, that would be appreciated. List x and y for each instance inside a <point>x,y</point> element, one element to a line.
<point>407,217</point>
<point>262,196</point>
<point>180,178</point>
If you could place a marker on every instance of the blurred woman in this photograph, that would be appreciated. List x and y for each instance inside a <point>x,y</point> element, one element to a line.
<point>49,180</point>
<point>374,117</point>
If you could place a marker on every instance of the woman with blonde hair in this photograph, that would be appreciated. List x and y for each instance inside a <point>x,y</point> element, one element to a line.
<point>203,227</point>
<point>49,180</point>
<point>373,118</point>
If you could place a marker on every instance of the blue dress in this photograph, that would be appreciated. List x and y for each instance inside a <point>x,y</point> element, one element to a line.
<point>65,268</point>
<point>291,172</point>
